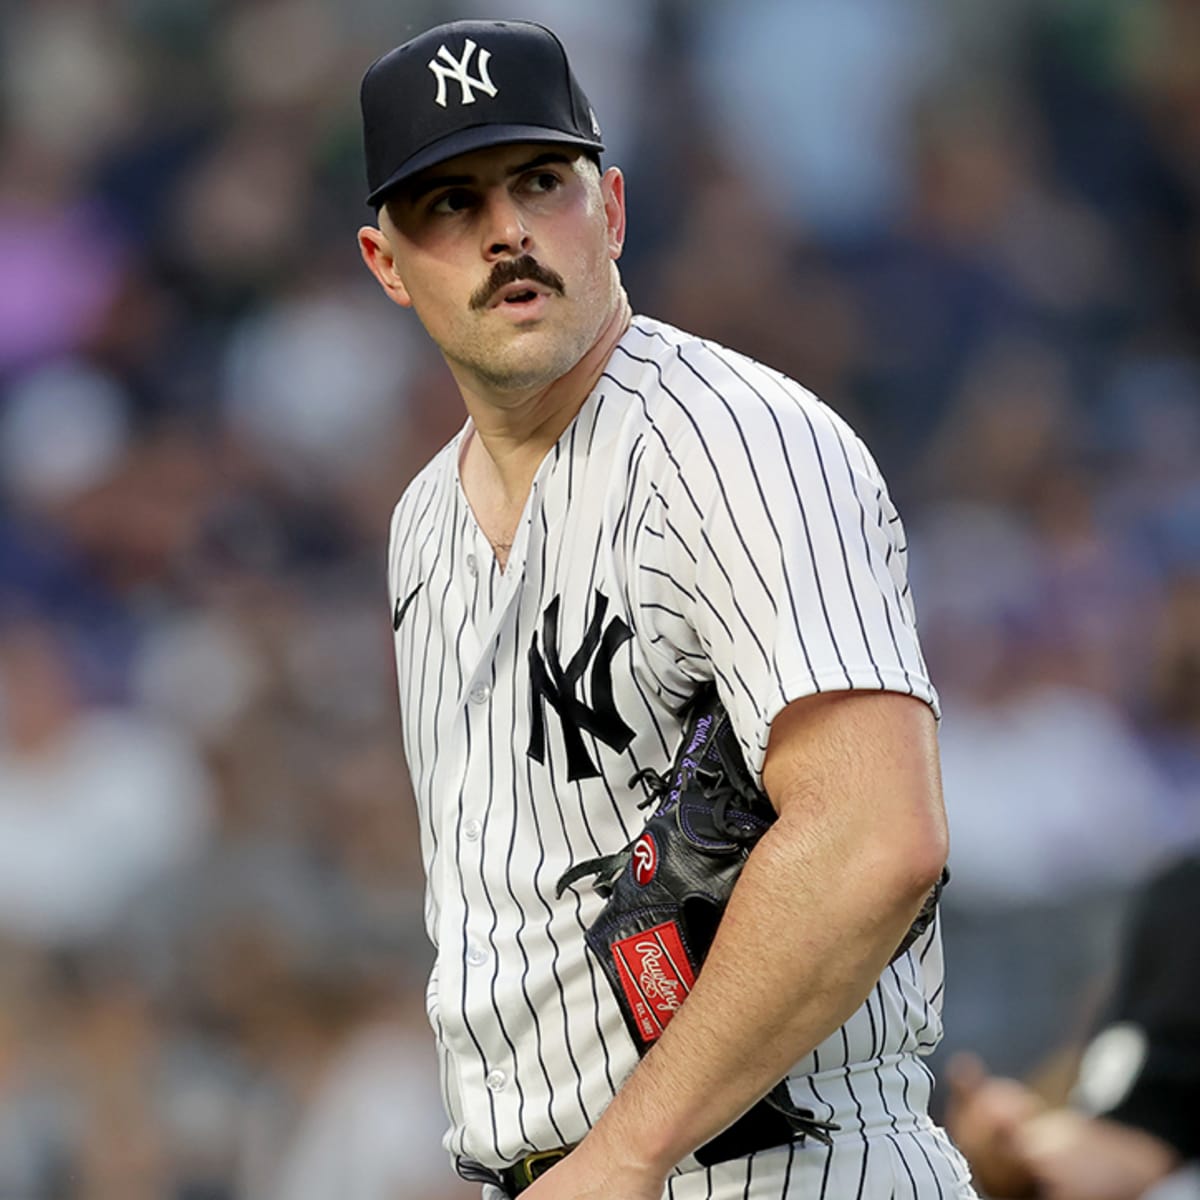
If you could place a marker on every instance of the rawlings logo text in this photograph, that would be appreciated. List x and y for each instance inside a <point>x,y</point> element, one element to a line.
<point>656,982</point>
<point>655,976</point>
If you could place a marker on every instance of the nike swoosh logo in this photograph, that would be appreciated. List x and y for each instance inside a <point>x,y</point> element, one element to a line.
<point>401,609</point>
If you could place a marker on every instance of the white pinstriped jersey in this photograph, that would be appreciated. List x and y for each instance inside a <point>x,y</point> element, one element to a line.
<point>702,517</point>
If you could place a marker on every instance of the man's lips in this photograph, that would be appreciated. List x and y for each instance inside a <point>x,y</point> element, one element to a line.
<point>519,291</point>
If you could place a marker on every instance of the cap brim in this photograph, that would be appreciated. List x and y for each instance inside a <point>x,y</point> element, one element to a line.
<point>476,138</point>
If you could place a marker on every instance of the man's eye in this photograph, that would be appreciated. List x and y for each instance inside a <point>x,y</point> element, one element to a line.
<point>543,181</point>
<point>454,201</point>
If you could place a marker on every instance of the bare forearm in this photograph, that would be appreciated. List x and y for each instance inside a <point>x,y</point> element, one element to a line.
<point>807,933</point>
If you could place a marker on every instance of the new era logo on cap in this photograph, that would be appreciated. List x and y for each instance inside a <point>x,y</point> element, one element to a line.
<point>467,85</point>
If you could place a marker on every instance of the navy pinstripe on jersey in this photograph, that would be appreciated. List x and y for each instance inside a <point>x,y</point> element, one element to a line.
<point>702,517</point>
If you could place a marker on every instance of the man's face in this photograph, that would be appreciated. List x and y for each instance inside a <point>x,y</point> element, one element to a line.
<point>507,255</point>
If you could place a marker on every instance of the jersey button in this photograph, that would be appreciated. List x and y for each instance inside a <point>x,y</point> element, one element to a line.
<point>476,955</point>
<point>495,1080</point>
<point>479,693</point>
<point>472,565</point>
<point>471,830</point>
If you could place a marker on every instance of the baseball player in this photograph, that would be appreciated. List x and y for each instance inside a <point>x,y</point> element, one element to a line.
<point>629,516</point>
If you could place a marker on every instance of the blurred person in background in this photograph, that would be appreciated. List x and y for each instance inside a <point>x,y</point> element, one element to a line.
<point>96,805</point>
<point>1131,1129</point>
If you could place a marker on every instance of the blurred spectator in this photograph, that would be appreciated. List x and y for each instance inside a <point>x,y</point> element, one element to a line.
<point>284,365</point>
<point>840,76</point>
<point>63,431</point>
<point>95,806</point>
<point>68,92</point>
<point>50,304</point>
<point>1131,1128</point>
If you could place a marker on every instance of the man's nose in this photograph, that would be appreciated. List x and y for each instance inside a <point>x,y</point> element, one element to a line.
<point>505,231</point>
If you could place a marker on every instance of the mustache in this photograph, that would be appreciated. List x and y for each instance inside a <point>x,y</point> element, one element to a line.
<point>510,270</point>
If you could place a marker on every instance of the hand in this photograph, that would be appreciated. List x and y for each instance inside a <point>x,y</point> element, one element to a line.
<point>1075,1157</point>
<point>586,1174</point>
<point>984,1117</point>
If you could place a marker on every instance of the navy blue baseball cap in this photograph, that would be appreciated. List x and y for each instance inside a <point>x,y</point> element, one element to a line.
<point>466,85</point>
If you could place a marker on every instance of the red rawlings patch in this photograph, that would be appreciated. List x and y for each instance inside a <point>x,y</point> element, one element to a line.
<point>645,860</point>
<point>655,975</point>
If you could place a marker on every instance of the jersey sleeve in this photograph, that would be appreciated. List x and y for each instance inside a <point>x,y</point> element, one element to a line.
<point>794,555</point>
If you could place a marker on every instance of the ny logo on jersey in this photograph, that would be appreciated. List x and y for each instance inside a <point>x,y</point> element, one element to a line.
<point>459,71</point>
<point>550,681</point>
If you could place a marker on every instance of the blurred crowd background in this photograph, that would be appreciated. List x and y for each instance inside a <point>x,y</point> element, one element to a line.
<point>972,227</point>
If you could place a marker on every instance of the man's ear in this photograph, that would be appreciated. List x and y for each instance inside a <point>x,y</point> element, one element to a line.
<point>612,187</point>
<point>376,252</point>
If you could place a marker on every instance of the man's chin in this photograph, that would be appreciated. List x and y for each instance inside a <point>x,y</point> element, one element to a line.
<point>528,362</point>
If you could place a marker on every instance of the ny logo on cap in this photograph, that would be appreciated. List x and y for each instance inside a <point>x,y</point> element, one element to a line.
<point>459,71</point>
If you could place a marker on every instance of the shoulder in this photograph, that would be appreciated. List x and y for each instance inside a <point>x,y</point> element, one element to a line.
<point>707,403</point>
<point>695,380</point>
<point>658,357</point>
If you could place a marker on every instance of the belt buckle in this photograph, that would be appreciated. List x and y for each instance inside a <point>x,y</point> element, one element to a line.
<point>535,1165</point>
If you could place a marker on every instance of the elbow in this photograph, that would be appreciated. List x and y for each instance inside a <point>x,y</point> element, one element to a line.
<point>915,863</point>
<point>929,859</point>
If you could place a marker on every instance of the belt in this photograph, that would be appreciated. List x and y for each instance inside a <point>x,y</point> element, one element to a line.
<point>522,1174</point>
<point>763,1127</point>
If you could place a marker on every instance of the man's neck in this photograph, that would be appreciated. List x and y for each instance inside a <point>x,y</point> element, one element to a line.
<point>516,437</point>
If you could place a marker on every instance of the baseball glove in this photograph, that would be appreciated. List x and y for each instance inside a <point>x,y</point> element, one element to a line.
<point>666,893</point>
